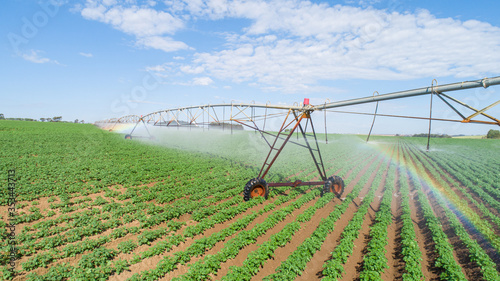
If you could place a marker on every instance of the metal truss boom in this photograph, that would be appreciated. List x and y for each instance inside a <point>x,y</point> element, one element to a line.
<point>485,83</point>
<point>239,110</point>
<point>297,118</point>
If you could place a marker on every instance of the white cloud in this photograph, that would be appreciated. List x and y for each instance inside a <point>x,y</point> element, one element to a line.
<point>293,45</point>
<point>192,70</point>
<point>161,43</point>
<point>133,20</point>
<point>34,56</point>
<point>148,25</point>
<point>202,81</point>
<point>88,55</point>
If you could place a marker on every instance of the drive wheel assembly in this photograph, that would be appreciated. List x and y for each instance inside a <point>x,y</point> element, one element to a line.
<point>254,188</point>
<point>128,137</point>
<point>334,184</point>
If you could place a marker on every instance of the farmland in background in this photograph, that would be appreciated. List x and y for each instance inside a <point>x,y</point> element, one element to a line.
<point>92,205</point>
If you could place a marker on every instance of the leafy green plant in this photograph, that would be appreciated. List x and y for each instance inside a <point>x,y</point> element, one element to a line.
<point>127,246</point>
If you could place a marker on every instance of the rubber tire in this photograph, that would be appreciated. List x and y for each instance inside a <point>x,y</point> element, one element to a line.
<point>252,187</point>
<point>128,137</point>
<point>330,184</point>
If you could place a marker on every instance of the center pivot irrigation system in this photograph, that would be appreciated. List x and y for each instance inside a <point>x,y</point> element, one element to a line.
<point>299,116</point>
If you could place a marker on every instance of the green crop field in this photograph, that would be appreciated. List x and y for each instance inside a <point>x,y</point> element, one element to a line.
<point>81,203</point>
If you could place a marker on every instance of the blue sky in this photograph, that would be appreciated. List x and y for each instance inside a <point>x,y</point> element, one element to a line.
<point>95,60</point>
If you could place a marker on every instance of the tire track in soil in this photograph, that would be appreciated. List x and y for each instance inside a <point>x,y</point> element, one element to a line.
<point>305,231</point>
<point>394,246</point>
<point>354,264</point>
<point>314,267</point>
<point>422,232</point>
<point>460,251</point>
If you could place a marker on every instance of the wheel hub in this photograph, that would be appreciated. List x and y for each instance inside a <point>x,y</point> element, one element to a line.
<point>257,191</point>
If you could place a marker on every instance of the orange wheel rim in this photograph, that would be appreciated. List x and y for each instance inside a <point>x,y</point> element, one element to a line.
<point>257,191</point>
<point>336,188</point>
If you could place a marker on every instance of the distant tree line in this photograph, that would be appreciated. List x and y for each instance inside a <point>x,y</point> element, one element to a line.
<point>432,135</point>
<point>53,119</point>
<point>19,119</point>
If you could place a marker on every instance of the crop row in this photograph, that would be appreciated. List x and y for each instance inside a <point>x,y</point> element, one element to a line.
<point>257,258</point>
<point>146,237</point>
<point>412,255</point>
<point>374,262</point>
<point>481,225</point>
<point>445,259</point>
<point>333,268</point>
<point>205,243</point>
<point>296,262</point>
<point>201,269</point>
<point>84,225</point>
<point>473,178</point>
<point>477,254</point>
<point>438,166</point>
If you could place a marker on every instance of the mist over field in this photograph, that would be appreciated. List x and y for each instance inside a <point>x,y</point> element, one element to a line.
<point>91,204</point>
<point>247,146</point>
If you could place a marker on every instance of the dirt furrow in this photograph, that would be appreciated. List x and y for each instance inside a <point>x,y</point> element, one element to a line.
<point>422,232</point>
<point>394,247</point>
<point>460,251</point>
<point>354,264</point>
<point>150,263</point>
<point>462,196</point>
<point>242,255</point>
<point>315,265</point>
<point>282,253</point>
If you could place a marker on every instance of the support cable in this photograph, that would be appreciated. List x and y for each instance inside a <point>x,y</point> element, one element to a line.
<point>326,133</point>
<point>430,115</point>
<point>374,116</point>
<point>231,118</point>
<point>265,117</point>
<point>252,114</point>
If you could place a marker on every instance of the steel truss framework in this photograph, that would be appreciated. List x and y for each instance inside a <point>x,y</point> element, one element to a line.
<point>298,116</point>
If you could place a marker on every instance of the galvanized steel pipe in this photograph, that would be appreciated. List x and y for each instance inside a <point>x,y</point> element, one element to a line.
<point>486,82</point>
